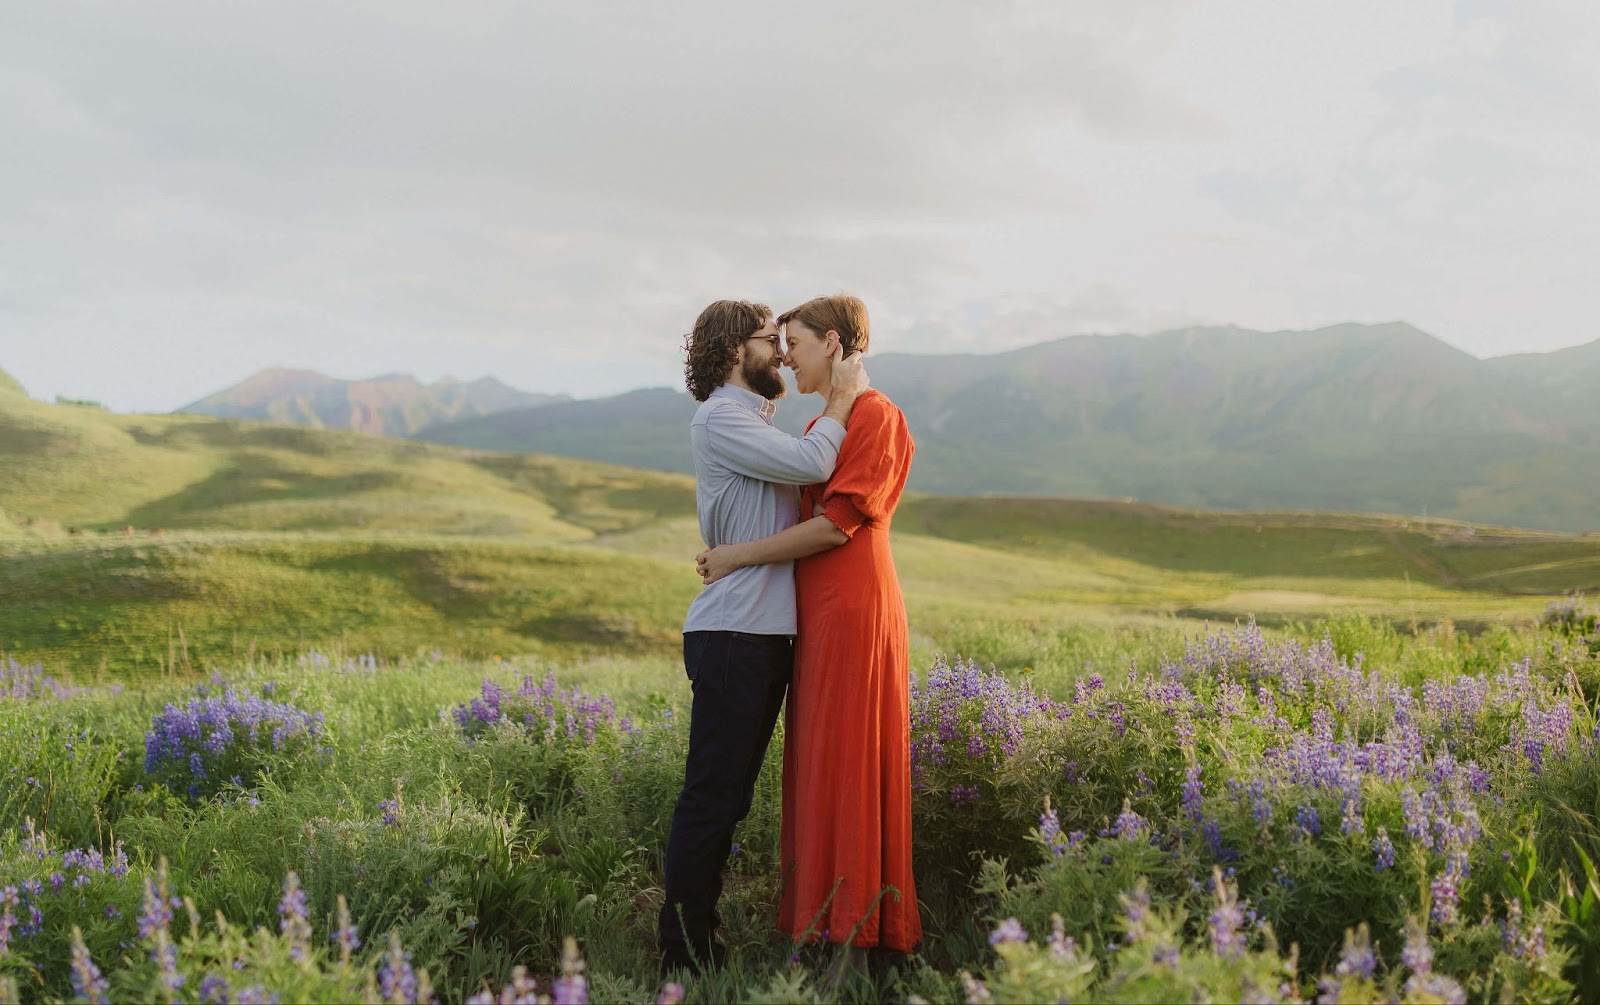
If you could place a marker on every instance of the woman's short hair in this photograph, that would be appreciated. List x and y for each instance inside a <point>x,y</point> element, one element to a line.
<point>844,314</point>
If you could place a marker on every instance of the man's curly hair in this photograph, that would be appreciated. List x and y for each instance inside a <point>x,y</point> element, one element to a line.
<point>713,347</point>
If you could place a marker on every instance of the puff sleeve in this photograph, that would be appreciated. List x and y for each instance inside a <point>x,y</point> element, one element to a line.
<point>872,469</point>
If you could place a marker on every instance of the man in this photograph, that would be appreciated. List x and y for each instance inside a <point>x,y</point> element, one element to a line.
<point>739,634</point>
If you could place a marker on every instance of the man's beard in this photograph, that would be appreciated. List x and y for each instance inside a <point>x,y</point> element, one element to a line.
<point>763,380</point>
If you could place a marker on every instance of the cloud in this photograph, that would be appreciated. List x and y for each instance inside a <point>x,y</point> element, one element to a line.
<point>524,189</point>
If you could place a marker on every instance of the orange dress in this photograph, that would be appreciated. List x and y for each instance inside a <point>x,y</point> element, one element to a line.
<point>846,838</point>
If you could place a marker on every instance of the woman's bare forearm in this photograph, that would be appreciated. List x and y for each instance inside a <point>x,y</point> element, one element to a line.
<point>815,535</point>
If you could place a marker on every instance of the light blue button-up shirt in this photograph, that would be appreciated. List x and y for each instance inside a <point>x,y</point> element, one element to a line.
<point>746,477</point>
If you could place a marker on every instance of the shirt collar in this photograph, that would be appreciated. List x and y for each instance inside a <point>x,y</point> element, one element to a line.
<point>764,407</point>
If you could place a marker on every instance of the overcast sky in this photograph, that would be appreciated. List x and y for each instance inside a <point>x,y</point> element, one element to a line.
<point>549,192</point>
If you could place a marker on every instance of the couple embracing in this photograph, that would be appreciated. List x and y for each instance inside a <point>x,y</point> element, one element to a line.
<point>801,600</point>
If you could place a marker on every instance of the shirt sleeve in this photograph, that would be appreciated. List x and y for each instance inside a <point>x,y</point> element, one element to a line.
<point>872,469</point>
<point>747,444</point>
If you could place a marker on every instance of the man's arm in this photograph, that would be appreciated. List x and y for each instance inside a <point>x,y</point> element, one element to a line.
<point>815,535</point>
<point>751,447</point>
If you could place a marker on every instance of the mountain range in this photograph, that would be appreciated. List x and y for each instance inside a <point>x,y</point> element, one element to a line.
<point>394,405</point>
<point>1369,418</point>
<point>1375,418</point>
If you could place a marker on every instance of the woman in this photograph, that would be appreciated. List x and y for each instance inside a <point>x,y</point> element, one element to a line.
<point>846,845</point>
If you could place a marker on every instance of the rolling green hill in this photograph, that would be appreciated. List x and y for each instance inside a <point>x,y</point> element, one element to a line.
<point>136,542</point>
<point>9,385</point>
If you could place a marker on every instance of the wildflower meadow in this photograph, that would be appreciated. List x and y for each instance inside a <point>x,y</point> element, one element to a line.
<point>1338,812</point>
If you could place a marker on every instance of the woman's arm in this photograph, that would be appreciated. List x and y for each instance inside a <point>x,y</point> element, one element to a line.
<point>816,534</point>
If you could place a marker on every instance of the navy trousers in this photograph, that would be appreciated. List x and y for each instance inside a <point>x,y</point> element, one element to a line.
<point>739,682</point>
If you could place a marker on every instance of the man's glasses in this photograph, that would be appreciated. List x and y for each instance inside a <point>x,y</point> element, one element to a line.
<point>771,340</point>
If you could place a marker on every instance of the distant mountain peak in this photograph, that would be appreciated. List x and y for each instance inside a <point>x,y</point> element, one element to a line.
<point>393,404</point>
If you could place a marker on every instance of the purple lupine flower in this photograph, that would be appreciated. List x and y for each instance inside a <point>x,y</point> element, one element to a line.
<point>1129,826</point>
<point>214,989</point>
<point>1384,848</point>
<point>1135,908</point>
<point>1358,959</point>
<point>1050,831</point>
<point>1194,791</point>
<point>571,988</point>
<point>180,739</point>
<point>87,981</point>
<point>1226,920</point>
<point>1435,987</point>
<point>523,990</point>
<point>1009,930</point>
<point>671,994</point>
<point>396,980</point>
<point>1062,945</point>
<point>294,924</point>
<point>8,918</point>
<point>158,905</point>
<point>344,932</point>
<point>1306,819</point>
<point>1417,956</point>
<point>1519,939</point>
<point>256,994</point>
<point>166,957</point>
<point>1446,888</point>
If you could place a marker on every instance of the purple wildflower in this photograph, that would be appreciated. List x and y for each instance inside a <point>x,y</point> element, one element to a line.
<point>295,926</point>
<point>214,989</point>
<point>1129,826</point>
<point>8,918</point>
<point>571,988</point>
<point>1446,888</point>
<point>345,933</point>
<point>1358,959</point>
<point>87,981</point>
<point>1194,791</point>
<point>1009,930</point>
<point>1226,920</point>
<point>671,994</point>
<point>1417,956</point>
<point>396,980</point>
<point>1384,848</point>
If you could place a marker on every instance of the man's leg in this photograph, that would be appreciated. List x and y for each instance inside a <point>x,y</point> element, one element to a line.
<point>732,677</point>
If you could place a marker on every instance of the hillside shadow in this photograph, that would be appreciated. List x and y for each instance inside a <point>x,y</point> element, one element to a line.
<point>255,479</point>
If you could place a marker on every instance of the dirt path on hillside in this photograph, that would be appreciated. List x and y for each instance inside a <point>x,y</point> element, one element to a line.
<point>1426,563</point>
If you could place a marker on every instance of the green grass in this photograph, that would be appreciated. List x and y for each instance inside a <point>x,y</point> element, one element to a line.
<point>134,542</point>
<point>139,605</point>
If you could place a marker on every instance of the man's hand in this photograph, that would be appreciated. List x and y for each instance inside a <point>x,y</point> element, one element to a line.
<point>715,563</point>
<point>850,380</point>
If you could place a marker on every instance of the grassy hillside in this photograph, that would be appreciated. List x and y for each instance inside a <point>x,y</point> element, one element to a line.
<point>87,468</point>
<point>9,384</point>
<point>142,604</point>
<point>128,541</point>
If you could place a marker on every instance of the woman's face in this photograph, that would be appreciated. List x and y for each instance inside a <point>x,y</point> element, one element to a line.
<point>809,355</point>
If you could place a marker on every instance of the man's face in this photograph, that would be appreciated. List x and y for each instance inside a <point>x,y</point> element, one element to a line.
<point>760,362</point>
